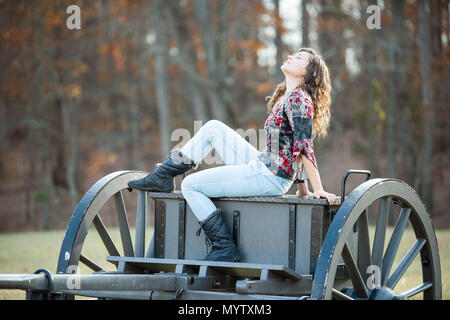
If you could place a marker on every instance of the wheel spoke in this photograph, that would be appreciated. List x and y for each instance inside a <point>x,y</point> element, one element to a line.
<point>140,223</point>
<point>124,227</point>
<point>364,259</point>
<point>90,264</point>
<point>393,245</point>
<point>414,291</point>
<point>151,248</point>
<point>380,232</point>
<point>406,261</point>
<point>354,274</point>
<point>340,296</point>
<point>104,235</point>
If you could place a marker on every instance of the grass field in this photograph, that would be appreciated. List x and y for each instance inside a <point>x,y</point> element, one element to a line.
<point>26,252</point>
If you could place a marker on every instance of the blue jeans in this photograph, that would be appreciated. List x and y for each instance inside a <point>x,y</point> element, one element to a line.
<point>243,174</point>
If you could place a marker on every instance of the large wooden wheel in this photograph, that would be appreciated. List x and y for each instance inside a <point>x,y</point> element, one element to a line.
<point>352,217</point>
<point>87,215</point>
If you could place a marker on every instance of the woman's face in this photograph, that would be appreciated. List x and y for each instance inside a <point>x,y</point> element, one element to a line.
<point>295,64</point>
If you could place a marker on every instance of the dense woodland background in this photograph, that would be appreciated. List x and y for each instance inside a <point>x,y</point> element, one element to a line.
<point>76,105</point>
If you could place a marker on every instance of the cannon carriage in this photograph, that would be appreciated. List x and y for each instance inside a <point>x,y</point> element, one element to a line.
<point>291,248</point>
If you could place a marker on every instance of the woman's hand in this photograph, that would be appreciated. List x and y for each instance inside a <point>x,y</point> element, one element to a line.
<point>323,194</point>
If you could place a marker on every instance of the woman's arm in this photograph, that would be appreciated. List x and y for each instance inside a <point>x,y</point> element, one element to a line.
<point>302,191</point>
<point>314,179</point>
<point>299,111</point>
<point>313,174</point>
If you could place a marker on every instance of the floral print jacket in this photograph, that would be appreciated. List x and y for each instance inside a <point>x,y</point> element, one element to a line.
<point>289,134</point>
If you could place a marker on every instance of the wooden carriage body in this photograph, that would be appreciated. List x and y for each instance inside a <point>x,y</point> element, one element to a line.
<point>291,248</point>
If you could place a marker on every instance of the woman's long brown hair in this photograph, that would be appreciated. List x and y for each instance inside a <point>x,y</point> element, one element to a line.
<point>317,83</point>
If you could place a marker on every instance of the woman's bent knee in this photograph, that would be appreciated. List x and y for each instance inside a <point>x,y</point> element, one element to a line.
<point>213,123</point>
<point>187,184</point>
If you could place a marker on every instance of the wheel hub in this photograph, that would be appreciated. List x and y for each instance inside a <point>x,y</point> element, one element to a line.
<point>381,293</point>
<point>384,293</point>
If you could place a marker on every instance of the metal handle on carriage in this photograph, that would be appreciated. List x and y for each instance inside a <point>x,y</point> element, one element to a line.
<point>344,179</point>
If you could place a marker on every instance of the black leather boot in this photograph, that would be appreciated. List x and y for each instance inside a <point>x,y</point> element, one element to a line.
<point>161,179</point>
<point>218,234</point>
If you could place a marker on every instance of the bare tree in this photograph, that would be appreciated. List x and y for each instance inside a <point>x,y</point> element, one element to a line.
<point>186,56</point>
<point>392,105</point>
<point>305,23</point>
<point>41,123</point>
<point>138,84</point>
<point>427,97</point>
<point>2,131</point>
<point>370,52</point>
<point>204,24</point>
<point>160,49</point>
<point>398,91</point>
<point>278,40</point>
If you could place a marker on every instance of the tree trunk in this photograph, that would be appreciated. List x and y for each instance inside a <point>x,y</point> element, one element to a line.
<point>398,133</point>
<point>427,96</point>
<point>135,96</point>
<point>332,46</point>
<point>161,79</point>
<point>72,171</point>
<point>305,24</point>
<point>45,193</point>
<point>30,162</point>
<point>369,47</point>
<point>69,115</point>
<point>198,105</point>
<point>218,107</point>
<point>181,34</point>
<point>398,79</point>
<point>278,41</point>
<point>436,25</point>
<point>392,89</point>
<point>2,133</point>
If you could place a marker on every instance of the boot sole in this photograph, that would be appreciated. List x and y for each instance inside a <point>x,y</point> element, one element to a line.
<point>235,259</point>
<point>150,189</point>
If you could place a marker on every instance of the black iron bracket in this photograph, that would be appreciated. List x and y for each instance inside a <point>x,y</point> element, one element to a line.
<point>236,226</point>
<point>45,294</point>
<point>181,228</point>
<point>160,228</point>
<point>49,277</point>
<point>292,234</point>
<point>344,179</point>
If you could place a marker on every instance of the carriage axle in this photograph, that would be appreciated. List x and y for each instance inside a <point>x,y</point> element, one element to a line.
<point>161,286</point>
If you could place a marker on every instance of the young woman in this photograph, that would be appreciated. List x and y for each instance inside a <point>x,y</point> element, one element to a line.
<point>299,109</point>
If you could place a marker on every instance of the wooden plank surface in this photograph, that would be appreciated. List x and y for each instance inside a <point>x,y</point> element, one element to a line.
<point>287,198</point>
<point>232,268</point>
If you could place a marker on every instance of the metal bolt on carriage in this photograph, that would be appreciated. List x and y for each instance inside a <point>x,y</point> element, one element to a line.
<point>291,248</point>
